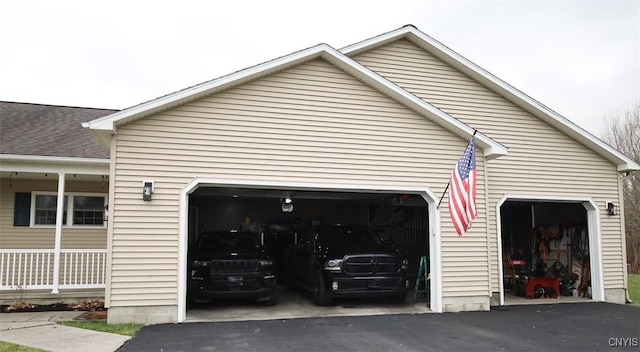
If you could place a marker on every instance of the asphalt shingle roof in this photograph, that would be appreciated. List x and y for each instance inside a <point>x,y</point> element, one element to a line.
<point>49,130</point>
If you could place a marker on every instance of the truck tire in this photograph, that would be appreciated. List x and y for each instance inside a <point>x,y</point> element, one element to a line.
<point>320,294</point>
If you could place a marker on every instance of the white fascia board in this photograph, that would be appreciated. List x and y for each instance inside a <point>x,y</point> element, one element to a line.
<point>377,41</point>
<point>110,122</point>
<point>507,91</point>
<point>491,148</point>
<point>53,164</point>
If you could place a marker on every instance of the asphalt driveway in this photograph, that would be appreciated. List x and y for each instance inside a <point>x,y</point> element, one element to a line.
<point>559,327</point>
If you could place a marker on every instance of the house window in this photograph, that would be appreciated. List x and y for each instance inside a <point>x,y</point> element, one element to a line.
<point>80,209</point>
<point>88,210</point>
<point>46,209</point>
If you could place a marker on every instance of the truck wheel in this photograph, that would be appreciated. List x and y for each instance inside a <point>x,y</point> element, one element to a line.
<point>320,294</point>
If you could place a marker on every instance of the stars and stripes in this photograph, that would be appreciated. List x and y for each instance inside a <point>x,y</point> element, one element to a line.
<point>462,194</point>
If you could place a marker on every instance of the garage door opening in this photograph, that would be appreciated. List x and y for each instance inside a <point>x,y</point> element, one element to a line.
<point>279,217</point>
<point>546,252</point>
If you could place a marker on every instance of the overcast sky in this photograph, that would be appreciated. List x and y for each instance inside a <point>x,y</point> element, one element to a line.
<point>579,58</point>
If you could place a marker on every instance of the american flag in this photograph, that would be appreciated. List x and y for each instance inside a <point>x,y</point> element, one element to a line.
<point>462,195</point>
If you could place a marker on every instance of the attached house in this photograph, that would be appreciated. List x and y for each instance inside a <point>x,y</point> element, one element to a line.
<point>46,156</point>
<point>367,134</point>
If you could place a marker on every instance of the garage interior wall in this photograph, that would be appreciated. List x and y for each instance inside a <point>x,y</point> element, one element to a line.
<point>230,214</point>
<point>547,240</point>
<point>402,219</point>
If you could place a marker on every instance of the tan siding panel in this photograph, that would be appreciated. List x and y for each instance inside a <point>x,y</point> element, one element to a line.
<point>311,123</point>
<point>541,159</point>
<point>43,237</point>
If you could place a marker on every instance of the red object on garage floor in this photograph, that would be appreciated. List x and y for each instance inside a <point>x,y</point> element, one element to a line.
<point>544,283</point>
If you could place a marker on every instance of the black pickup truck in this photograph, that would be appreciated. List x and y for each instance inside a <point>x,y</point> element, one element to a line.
<point>231,265</point>
<point>346,261</point>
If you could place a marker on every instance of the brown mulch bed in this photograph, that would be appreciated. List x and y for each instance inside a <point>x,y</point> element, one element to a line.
<point>56,307</point>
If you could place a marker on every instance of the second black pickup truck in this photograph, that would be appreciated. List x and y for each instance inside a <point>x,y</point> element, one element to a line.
<point>347,261</point>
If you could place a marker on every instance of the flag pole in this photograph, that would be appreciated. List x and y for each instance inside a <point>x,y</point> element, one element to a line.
<point>449,183</point>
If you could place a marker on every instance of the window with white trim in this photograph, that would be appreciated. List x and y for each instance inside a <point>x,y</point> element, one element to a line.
<point>46,209</point>
<point>88,210</point>
<point>80,209</point>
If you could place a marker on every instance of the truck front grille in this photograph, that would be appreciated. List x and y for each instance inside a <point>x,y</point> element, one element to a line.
<point>238,266</point>
<point>372,264</point>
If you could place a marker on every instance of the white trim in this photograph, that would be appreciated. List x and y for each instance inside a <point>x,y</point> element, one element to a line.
<point>426,193</point>
<point>595,238</point>
<point>53,159</point>
<point>435,253</point>
<point>58,237</point>
<point>109,123</point>
<point>459,62</point>
<point>51,164</point>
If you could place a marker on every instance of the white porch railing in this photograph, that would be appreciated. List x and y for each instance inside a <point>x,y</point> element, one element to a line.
<point>34,269</point>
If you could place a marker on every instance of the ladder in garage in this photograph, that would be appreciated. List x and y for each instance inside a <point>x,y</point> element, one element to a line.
<point>423,280</point>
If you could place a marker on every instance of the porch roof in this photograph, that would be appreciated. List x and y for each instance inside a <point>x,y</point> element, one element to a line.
<point>49,131</point>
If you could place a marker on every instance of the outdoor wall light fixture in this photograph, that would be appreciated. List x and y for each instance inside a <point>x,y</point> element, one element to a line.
<point>612,209</point>
<point>287,204</point>
<point>147,190</point>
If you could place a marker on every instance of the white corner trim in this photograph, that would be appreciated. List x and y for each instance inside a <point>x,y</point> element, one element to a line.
<point>435,252</point>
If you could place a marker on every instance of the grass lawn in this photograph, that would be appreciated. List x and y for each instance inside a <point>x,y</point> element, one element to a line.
<point>120,329</point>
<point>634,288</point>
<point>9,347</point>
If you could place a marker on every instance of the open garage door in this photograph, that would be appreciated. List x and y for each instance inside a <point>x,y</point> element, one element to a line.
<point>546,251</point>
<point>280,216</point>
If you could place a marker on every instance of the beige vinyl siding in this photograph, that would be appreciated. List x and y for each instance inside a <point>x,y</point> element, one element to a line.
<point>311,123</point>
<point>541,160</point>
<point>43,237</point>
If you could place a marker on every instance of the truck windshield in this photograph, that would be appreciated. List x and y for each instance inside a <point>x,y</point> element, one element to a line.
<point>351,236</point>
<point>228,241</point>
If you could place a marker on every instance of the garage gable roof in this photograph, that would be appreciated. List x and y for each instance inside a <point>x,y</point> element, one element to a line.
<point>450,57</point>
<point>103,128</point>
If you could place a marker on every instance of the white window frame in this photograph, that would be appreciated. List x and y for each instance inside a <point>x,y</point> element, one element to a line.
<point>70,196</point>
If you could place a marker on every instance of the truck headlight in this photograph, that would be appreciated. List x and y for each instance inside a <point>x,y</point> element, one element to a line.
<point>333,265</point>
<point>200,263</point>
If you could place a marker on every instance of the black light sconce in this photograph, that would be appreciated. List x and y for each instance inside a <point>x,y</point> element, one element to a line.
<point>287,204</point>
<point>147,190</point>
<point>612,209</point>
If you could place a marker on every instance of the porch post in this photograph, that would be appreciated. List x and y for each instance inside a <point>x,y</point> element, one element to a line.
<point>58,242</point>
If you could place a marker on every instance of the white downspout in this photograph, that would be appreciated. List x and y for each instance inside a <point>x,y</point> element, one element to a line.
<point>58,241</point>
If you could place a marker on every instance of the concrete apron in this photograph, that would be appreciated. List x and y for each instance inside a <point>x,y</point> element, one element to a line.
<point>40,330</point>
<point>292,305</point>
